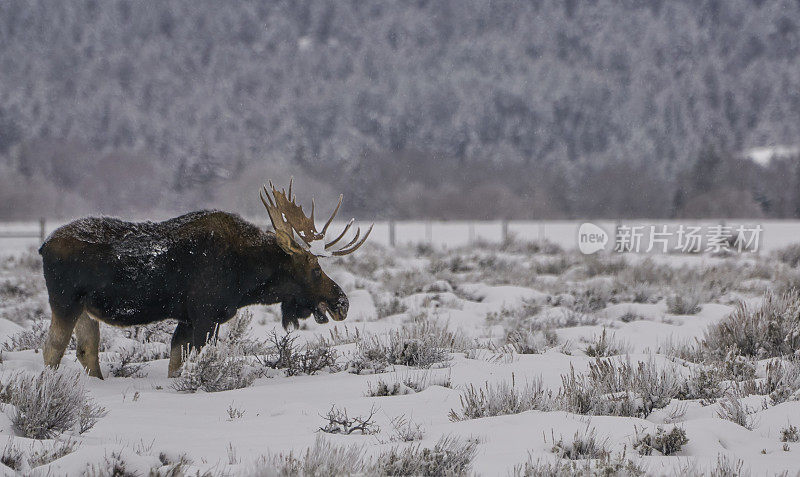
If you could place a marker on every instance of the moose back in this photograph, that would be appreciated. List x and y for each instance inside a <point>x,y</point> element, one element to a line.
<point>198,269</point>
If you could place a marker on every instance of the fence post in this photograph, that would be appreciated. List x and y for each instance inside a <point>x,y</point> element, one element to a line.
<point>392,236</point>
<point>505,231</point>
<point>471,236</point>
<point>42,230</point>
<point>541,232</point>
<point>429,232</point>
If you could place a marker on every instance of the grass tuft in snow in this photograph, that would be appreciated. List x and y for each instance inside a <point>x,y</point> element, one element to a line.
<point>790,434</point>
<point>704,383</point>
<point>388,306</point>
<point>14,456</point>
<point>340,336</point>
<point>132,356</point>
<point>449,456</point>
<point>382,388</point>
<point>684,302</point>
<point>324,458</point>
<point>630,316</point>
<point>223,364</point>
<point>406,430</point>
<point>693,351</point>
<point>419,344</point>
<point>584,445</point>
<point>617,466</point>
<point>140,461</point>
<point>369,358</point>
<point>219,366</point>
<point>764,331</point>
<point>238,333</point>
<point>667,443</point>
<point>51,402</point>
<point>406,282</point>
<point>783,380</point>
<point>789,255</point>
<point>643,293</point>
<point>723,468</point>
<point>502,398</point>
<point>234,412</point>
<point>24,286</point>
<point>38,453</point>
<point>422,381</point>
<point>608,389</point>
<point>591,299</point>
<point>531,341</point>
<point>732,409</point>
<point>618,389</point>
<point>409,383</point>
<point>605,345</point>
<point>564,318</point>
<point>598,265</point>
<point>30,338</point>
<point>29,261</point>
<point>736,367</point>
<point>46,454</point>
<point>787,281</point>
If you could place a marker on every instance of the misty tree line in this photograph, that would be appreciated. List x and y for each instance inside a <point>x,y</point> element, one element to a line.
<point>439,108</point>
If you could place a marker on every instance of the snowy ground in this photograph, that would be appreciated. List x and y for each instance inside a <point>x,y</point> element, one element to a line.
<point>496,302</point>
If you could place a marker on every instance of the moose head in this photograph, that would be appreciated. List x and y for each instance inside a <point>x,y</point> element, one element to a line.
<point>296,234</point>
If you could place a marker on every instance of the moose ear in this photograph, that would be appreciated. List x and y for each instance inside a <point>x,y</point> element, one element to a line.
<point>286,243</point>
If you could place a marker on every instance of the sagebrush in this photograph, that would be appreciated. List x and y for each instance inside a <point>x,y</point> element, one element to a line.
<point>50,403</point>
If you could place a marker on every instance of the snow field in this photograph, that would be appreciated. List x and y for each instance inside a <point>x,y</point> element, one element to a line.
<point>482,295</point>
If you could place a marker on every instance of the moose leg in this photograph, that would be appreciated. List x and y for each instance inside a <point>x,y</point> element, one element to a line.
<point>186,338</point>
<point>61,325</point>
<point>87,332</point>
<point>290,315</point>
<point>204,332</point>
<point>181,339</point>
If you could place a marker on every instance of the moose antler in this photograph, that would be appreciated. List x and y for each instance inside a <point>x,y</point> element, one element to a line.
<point>287,217</point>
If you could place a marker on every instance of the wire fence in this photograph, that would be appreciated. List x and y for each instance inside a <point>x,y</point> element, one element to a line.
<point>17,230</point>
<point>775,234</point>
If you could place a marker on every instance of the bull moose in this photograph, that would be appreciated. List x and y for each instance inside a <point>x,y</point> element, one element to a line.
<point>198,269</point>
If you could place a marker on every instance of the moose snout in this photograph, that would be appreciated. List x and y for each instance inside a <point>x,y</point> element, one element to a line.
<point>336,309</point>
<point>342,305</point>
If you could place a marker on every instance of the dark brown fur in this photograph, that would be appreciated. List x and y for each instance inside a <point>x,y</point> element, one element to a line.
<point>199,269</point>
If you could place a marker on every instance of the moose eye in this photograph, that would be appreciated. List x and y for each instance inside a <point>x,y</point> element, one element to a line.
<point>317,272</point>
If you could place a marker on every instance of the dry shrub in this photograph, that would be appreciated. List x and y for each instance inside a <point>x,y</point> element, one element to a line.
<point>324,458</point>
<point>618,389</point>
<point>30,338</point>
<point>767,330</point>
<point>667,443</point>
<point>420,344</point>
<point>449,456</point>
<point>338,422</point>
<point>502,398</point>
<point>282,351</point>
<point>605,345</point>
<point>789,255</point>
<point>584,445</point>
<point>684,302</point>
<point>217,367</point>
<point>51,402</point>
